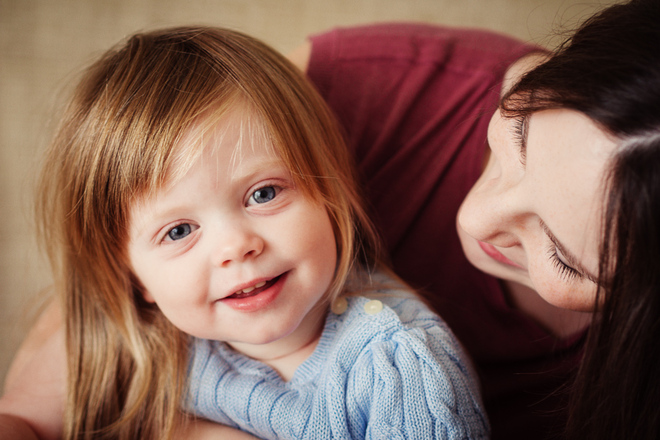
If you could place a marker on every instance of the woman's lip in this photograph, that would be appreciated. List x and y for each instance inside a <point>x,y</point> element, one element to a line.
<point>260,300</point>
<point>496,255</point>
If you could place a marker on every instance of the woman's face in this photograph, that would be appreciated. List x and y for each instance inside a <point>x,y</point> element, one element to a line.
<point>533,217</point>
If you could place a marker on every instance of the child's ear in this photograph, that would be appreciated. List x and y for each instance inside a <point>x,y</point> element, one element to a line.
<point>140,291</point>
<point>147,296</point>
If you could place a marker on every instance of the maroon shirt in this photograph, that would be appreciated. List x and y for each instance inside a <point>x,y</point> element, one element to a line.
<point>415,102</point>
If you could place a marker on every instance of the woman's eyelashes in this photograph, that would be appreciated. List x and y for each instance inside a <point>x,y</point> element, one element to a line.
<point>520,125</point>
<point>564,270</point>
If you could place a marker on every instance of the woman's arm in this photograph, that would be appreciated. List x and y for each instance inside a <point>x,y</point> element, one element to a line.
<point>34,395</point>
<point>14,428</point>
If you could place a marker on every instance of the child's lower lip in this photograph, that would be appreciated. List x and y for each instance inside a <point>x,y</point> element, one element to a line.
<point>496,255</point>
<point>258,301</point>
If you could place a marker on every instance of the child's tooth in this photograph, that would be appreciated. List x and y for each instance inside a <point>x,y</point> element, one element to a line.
<point>250,289</point>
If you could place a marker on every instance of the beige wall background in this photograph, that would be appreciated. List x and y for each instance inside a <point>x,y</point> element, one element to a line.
<point>44,43</point>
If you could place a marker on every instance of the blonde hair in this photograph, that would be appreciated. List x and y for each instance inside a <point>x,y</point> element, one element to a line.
<point>116,142</point>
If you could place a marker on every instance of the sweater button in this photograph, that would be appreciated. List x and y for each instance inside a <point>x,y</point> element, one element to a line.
<point>339,305</point>
<point>373,307</point>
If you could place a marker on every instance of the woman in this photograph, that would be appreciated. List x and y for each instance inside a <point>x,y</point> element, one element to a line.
<point>416,103</point>
<point>563,219</point>
<point>559,215</point>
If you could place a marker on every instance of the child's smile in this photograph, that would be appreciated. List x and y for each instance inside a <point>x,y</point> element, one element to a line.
<point>233,251</point>
<point>256,296</point>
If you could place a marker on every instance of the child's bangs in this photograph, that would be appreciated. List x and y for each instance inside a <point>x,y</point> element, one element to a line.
<point>230,123</point>
<point>179,125</point>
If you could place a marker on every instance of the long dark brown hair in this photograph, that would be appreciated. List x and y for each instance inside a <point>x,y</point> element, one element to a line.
<point>610,71</point>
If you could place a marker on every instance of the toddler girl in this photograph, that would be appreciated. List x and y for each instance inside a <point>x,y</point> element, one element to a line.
<point>213,255</point>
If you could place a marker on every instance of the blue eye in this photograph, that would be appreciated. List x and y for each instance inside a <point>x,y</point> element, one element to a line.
<point>180,231</point>
<point>263,195</point>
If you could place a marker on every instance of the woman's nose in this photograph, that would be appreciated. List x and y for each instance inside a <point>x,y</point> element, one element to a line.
<point>237,244</point>
<point>494,211</point>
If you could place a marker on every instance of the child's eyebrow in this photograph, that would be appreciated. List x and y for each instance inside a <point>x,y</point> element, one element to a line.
<point>147,219</point>
<point>263,167</point>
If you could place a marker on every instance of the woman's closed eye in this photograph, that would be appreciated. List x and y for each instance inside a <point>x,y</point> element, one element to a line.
<point>567,266</point>
<point>565,271</point>
<point>520,129</point>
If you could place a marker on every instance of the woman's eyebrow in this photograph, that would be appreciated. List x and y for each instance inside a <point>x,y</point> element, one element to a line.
<point>572,260</point>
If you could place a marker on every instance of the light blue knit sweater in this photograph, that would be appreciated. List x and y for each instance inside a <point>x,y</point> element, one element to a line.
<point>395,374</point>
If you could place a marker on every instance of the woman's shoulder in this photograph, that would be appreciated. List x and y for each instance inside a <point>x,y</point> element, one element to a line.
<point>407,42</point>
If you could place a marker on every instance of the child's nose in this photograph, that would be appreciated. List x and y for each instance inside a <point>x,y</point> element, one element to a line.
<point>237,244</point>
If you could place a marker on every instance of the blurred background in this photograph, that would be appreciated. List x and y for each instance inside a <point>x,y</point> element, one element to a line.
<point>45,43</point>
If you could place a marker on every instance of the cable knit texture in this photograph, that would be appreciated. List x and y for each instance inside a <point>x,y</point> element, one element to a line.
<point>396,374</point>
